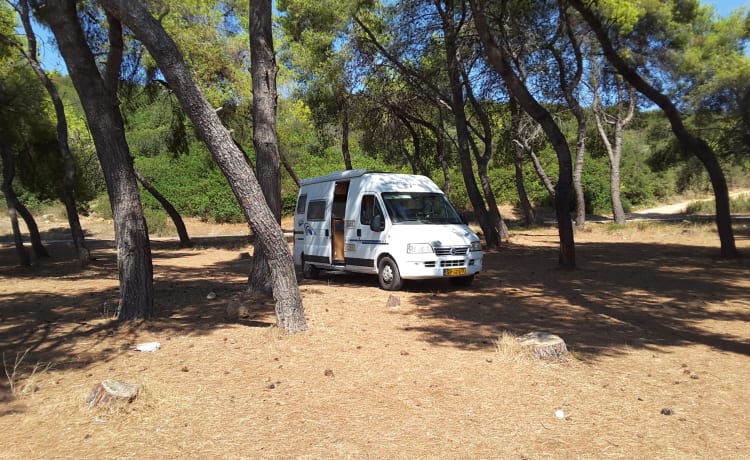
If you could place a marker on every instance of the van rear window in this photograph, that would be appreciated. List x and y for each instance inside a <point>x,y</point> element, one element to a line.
<point>316,210</point>
<point>301,204</point>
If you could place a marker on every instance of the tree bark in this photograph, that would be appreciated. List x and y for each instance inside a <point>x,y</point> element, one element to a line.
<point>289,310</point>
<point>67,186</point>
<point>688,142</point>
<point>108,132</point>
<point>265,140</point>
<point>498,58</point>
<point>11,201</point>
<point>173,214</point>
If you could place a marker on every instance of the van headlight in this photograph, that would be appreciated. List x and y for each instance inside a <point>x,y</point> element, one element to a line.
<point>418,248</point>
<point>476,246</point>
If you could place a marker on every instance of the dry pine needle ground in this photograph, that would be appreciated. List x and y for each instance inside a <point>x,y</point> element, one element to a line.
<point>653,320</point>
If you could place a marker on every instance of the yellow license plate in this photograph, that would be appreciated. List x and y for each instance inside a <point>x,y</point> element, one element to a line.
<point>454,271</point>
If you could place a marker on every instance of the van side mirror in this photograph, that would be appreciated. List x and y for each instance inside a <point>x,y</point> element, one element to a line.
<point>377,224</point>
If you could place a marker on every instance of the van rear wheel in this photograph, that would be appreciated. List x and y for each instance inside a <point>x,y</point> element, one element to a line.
<point>309,270</point>
<point>388,275</point>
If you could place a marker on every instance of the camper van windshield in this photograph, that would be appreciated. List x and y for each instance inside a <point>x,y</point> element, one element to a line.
<point>419,208</point>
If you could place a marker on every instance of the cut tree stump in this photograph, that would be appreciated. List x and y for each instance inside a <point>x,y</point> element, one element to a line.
<point>393,301</point>
<point>543,344</point>
<point>111,391</point>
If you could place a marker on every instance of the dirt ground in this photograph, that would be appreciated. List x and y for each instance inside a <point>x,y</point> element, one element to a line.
<point>657,324</point>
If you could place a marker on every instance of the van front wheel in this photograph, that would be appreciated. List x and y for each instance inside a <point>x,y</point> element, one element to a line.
<point>388,275</point>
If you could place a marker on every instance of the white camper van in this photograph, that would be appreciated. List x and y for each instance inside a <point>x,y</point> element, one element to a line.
<point>397,226</point>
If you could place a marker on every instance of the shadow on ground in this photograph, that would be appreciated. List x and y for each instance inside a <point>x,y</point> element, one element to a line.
<point>624,294</point>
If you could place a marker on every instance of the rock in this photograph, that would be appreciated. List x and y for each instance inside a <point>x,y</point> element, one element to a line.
<point>211,295</point>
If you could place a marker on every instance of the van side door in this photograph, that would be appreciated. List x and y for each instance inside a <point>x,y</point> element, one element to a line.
<point>317,247</point>
<point>364,243</point>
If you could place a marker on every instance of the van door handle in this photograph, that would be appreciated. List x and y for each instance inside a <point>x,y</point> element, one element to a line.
<point>359,232</point>
<point>327,234</point>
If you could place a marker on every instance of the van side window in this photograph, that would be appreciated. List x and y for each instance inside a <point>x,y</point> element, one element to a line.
<point>316,210</point>
<point>301,204</point>
<point>369,209</point>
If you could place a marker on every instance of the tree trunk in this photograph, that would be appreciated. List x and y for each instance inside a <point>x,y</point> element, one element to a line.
<point>491,235</point>
<point>614,152</point>
<point>67,186</point>
<point>688,142</point>
<point>11,201</point>
<point>499,59</point>
<point>344,128</point>
<point>515,127</point>
<point>36,239</point>
<point>289,310</point>
<point>289,168</point>
<point>265,141</point>
<point>108,132</point>
<point>568,87</point>
<point>580,218</point>
<point>173,214</point>
<point>483,159</point>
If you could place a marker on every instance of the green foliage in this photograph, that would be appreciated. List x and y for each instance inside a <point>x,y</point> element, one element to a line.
<point>101,206</point>
<point>158,222</point>
<point>27,130</point>
<point>192,183</point>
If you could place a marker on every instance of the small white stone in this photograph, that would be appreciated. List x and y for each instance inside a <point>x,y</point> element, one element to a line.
<point>559,413</point>
<point>211,295</point>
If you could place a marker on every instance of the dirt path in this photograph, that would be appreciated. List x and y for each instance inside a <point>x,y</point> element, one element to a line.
<point>681,206</point>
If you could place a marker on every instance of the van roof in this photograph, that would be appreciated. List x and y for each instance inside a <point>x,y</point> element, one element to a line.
<point>334,176</point>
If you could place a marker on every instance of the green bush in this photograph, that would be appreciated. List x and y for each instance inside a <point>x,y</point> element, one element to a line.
<point>158,222</point>
<point>101,206</point>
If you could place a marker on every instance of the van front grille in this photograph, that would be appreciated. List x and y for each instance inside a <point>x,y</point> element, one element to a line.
<point>451,250</point>
<point>451,263</point>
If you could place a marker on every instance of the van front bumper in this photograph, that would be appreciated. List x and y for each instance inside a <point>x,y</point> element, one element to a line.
<point>441,267</point>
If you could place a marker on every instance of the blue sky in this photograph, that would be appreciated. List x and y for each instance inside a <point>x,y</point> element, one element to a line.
<point>724,7</point>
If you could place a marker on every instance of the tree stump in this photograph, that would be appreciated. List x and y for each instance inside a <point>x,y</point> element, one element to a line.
<point>543,344</point>
<point>111,391</point>
<point>393,301</point>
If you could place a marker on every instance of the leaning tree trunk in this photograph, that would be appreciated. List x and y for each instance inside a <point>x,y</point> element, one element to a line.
<point>108,132</point>
<point>11,201</point>
<point>289,311</point>
<point>499,59</point>
<point>173,214</point>
<point>688,142</point>
<point>36,239</point>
